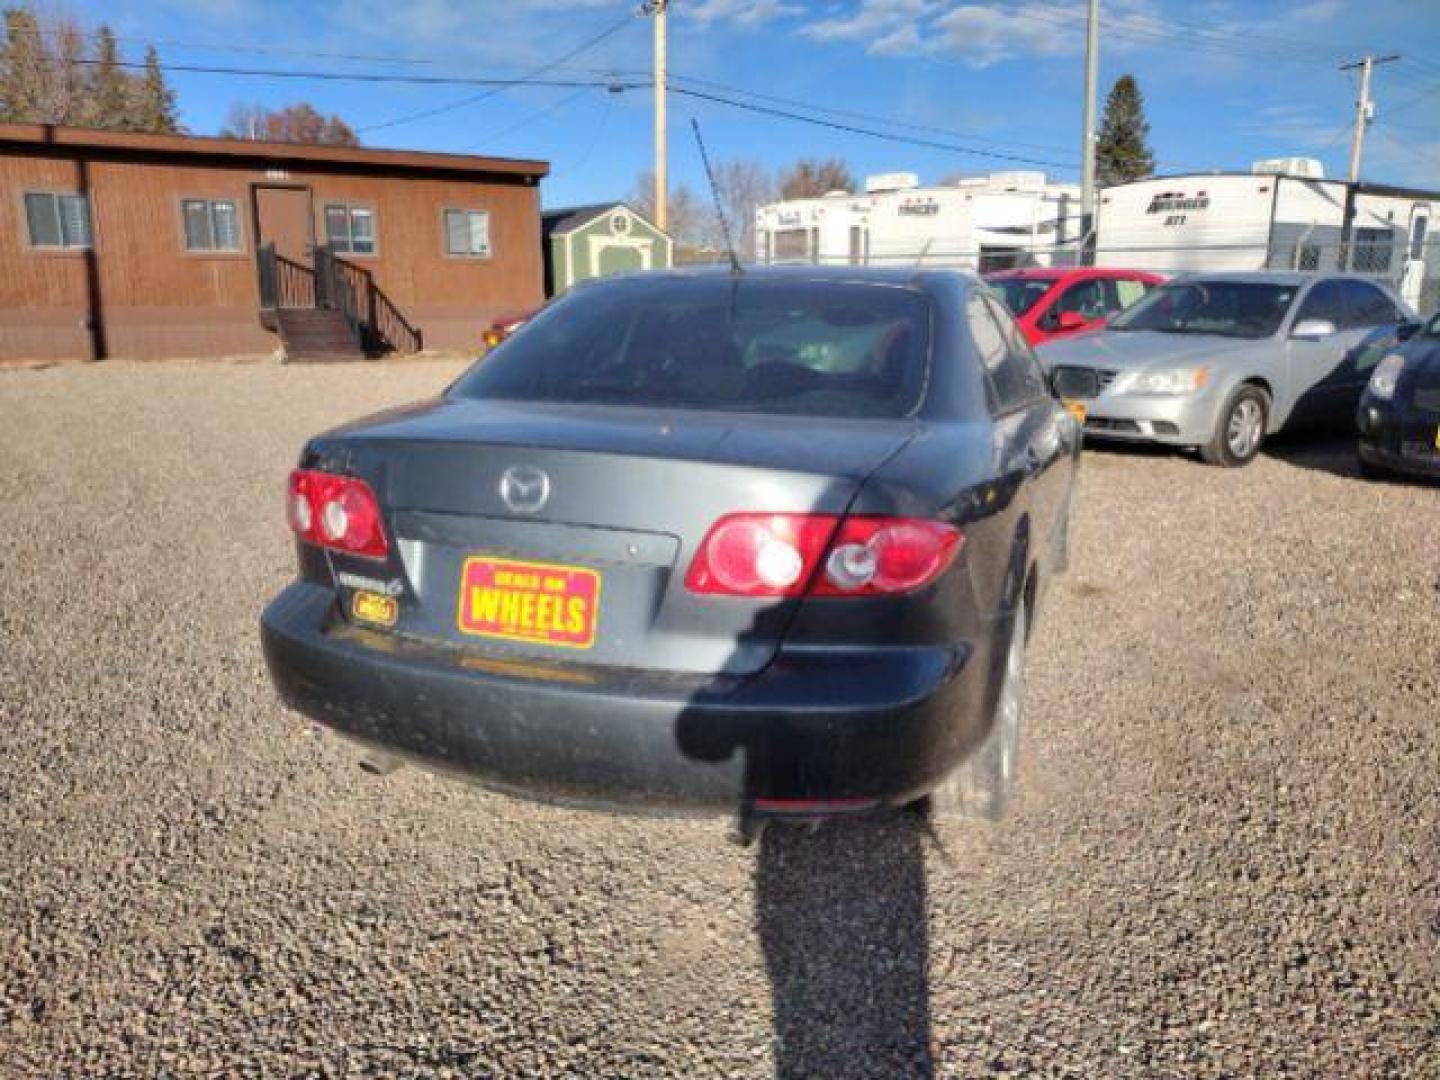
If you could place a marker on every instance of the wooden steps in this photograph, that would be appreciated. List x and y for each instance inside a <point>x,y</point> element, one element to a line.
<point>316,335</point>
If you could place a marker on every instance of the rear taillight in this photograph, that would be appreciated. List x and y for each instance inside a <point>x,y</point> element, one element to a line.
<point>883,556</point>
<point>782,554</point>
<point>337,512</point>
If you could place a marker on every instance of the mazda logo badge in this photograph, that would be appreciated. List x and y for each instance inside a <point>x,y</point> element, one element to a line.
<point>525,488</point>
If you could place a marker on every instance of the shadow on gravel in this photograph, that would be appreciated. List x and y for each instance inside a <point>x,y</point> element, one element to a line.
<point>1322,451</point>
<point>840,912</point>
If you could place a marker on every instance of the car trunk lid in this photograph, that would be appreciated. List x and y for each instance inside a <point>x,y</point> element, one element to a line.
<point>491,502</point>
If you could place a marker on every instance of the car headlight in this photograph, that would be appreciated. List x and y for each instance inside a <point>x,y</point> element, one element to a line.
<point>1165,381</point>
<point>1386,376</point>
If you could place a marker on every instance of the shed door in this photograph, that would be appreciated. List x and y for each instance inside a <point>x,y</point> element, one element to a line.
<point>615,259</point>
<point>284,218</point>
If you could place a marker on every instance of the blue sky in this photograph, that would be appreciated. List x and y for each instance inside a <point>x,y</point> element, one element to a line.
<point>1225,81</point>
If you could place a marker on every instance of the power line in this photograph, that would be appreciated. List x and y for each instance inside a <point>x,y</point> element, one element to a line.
<point>853,115</point>
<point>853,129</point>
<point>475,99</point>
<point>363,76</point>
<point>527,119</point>
<point>197,46</point>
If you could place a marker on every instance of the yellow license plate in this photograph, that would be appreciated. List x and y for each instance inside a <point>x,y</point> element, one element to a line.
<point>1074,408</point>
<point>373,608</point>
<point>540,603</point>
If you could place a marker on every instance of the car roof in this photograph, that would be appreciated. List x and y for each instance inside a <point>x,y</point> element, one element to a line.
<point>893,276</point>
<point>1259,277</point>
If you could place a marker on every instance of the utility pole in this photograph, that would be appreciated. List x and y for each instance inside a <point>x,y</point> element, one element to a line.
<point>657,9</point>
<point>1087,157</point>
<point>1364,107</point>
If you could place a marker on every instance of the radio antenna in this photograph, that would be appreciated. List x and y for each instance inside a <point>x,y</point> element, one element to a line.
<point>735,267</point>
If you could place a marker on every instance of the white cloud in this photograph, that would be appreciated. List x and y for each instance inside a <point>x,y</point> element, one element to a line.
<point>743,12</point>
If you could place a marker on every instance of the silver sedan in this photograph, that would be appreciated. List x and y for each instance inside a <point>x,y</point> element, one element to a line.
<point>1216,362</point>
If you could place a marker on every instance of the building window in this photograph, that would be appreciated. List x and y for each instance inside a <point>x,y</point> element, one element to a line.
<point>211,225</point>
<point>57,221</point>
<point>350,229</point>
<point>467,232</point>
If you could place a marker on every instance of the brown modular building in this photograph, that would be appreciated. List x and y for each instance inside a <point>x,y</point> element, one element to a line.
<point>127,245</point>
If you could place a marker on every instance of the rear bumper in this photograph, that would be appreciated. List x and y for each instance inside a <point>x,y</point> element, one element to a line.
<point>884,725</point>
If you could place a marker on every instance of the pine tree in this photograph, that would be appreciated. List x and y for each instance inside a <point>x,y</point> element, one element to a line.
<point>1122,152</point>
<point>109,105</point>
<point>154,100</point>
<point>23,69</point>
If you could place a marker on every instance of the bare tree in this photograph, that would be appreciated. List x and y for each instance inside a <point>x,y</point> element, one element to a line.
<point>809,178</point>
<point>744,186</point>
<point>685,223</point>
<point>297,123</point>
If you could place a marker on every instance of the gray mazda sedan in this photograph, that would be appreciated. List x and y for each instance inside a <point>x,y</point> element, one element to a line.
<point>1216,362</point>
<point>771,542</point>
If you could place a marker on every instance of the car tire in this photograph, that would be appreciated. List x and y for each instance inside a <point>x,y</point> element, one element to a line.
<point>1371,471</point>
<point>984,784</point>
<point>1241,430</point>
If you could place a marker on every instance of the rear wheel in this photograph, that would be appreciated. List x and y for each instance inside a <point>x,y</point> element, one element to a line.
<point>985,783</point>
<point>1241,429</point>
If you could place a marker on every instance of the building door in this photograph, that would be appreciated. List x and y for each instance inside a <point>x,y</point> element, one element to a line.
<point>284,217</point>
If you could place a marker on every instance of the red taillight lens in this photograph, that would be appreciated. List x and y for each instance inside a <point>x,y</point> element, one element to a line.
<point>337,512</point>
<point>760,554</point>
<point>780,554</point>
<point>882,556</point>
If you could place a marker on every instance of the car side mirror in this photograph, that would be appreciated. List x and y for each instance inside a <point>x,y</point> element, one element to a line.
<point>1405,331</point>
<point>1070,320</point>
<point>1313,329</point>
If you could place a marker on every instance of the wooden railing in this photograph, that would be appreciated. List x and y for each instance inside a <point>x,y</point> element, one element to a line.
<point>385,328</point>
<point>338,285</point>
<point>284,283</point>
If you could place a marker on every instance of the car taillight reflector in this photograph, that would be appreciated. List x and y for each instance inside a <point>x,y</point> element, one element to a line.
<point>885,556</point>
<point>337,512</point>
<point>783,554</point>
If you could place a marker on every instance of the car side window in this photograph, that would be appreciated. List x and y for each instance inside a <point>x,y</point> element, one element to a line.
<point>1087,298</point>
<point>1367,306</point>
<point>1326,300</point>
<point>1127,291</point>
<point>1010,365</point>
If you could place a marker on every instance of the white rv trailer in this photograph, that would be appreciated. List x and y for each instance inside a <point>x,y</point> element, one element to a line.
<point>1281,215</point>
<point>1000,220</point>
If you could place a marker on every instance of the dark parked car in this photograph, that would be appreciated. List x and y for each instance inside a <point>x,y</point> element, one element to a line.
<point>770,542</point>
<point>1399,414</point>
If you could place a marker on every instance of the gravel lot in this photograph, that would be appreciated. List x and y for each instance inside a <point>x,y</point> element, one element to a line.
<point>1226,861</point>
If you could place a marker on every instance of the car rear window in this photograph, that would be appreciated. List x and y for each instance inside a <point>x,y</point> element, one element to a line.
<point>803,348</point>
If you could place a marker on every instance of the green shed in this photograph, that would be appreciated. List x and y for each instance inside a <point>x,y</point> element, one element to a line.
<point>584,242</point>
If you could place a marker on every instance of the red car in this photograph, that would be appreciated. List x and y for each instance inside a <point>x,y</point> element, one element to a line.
<point>1057,301</point>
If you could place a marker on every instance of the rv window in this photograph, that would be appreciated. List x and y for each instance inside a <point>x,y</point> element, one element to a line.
<point>1417,236</point>
<point>1373,250</point>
